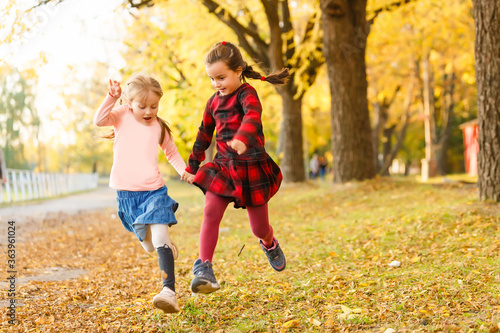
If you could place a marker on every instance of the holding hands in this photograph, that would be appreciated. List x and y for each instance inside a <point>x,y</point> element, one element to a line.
<point>187,177</point>
<point>114,89</point>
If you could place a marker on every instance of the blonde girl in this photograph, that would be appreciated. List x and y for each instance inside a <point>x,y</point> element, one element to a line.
<point>144,206</point>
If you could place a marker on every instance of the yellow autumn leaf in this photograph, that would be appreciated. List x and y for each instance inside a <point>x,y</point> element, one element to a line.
<point>330,323</point>
<point>345,309</point>
<point>415,259</point>
<point>316,322</point>
<point>347,316</point>
<point>291,323</point>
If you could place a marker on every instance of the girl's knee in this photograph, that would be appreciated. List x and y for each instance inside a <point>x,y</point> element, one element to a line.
<point>148,246</point>
<point>159,235</point>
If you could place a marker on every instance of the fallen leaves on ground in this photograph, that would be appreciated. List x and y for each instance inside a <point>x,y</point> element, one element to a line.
<point>339,240</point>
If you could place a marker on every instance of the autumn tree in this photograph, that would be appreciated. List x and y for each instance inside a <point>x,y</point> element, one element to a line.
<point>19,120</point>
<point>437,51</point>
<point>274,42</point>
<point>487,46</point>
<point>344,37</point>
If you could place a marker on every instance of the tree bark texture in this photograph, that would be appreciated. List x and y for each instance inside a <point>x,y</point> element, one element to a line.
<point>344,37</point>
<point>292,163</point>
<point>448,106</point>
<point>429,120</point>
<point>487,54</point>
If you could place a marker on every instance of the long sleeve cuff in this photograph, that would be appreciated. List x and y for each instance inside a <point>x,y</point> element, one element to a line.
<point>191,169</point>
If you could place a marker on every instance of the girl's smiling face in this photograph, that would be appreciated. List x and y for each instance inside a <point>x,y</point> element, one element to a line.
<point>223,79</point>
<point>146,109</point>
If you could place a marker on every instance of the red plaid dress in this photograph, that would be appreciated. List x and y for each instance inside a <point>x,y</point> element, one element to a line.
<point>250,179</point>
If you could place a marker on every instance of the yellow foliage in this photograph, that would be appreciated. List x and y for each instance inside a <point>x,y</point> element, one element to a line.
<point>400,38</point>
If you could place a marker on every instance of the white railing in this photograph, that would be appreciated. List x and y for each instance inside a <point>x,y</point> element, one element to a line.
<point>23,185</point>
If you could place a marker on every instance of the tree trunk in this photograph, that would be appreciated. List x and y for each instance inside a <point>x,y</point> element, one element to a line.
<point>292,165</point>
<point>384,170</point>
<point>447,119</point>
<point>487,44</point>
<point>381,120</point>
<point>429,164</point>
<point>344,38</point>
<point>387,148</point>
<point>382,111</point>
<point>375,132</point>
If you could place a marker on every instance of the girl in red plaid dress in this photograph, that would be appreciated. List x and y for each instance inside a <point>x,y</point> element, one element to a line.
<point>241,172</point>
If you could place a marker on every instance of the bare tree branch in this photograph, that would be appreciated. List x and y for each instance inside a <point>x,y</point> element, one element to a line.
<point>44,2</point>
<point>276,41</point>
<point>286,29</point>
<point>141,3</point>
<point>259,54</point>
<point>387,8</point>
<point>402,133</point>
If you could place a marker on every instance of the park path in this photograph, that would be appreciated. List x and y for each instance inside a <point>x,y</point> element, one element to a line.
<point>29,216</point>
<point>100,198</point>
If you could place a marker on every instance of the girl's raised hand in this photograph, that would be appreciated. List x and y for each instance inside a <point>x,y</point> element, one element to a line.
<point>114,88</point>
<point>237,145</point>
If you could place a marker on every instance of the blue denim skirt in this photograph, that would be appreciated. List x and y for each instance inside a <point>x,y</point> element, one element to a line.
<point>137,209</point>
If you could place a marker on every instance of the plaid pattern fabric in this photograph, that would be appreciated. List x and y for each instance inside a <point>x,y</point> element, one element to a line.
<point>250,179</point>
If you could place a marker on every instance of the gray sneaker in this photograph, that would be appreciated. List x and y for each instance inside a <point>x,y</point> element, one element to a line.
<point>204,281</point>
<point>275,256</point>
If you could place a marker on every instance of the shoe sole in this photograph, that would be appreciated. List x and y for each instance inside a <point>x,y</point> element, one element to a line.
<point>165,306</point>
<point>276,268</point>
<point>279,269</point>
<point>204,287</point>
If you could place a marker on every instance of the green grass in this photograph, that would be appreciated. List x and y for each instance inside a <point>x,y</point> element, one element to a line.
<point>338,239</point>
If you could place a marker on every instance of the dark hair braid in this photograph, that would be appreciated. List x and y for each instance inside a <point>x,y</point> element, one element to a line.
<point>280,77</point>
<point>231,55</point>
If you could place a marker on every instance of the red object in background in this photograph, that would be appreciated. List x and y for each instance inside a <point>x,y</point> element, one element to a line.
<point>470,133</point>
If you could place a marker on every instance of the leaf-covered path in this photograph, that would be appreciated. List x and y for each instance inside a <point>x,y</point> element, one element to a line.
<point>339,241</point>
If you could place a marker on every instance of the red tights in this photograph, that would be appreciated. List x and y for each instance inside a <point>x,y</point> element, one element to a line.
<point>215,206</point>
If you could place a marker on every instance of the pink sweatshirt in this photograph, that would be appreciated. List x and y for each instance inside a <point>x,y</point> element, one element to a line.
<point>135,158</point>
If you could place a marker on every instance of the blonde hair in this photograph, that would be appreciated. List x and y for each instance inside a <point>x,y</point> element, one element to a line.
<point>137,89</point>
